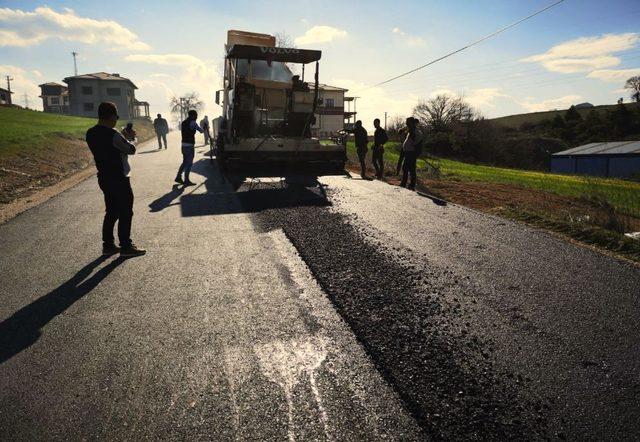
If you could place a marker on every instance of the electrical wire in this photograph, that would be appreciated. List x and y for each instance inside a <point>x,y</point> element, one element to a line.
<point>486,37</point>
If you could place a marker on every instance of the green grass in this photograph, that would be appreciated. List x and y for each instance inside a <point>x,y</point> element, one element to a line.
<point>621,194</point>
<point>26,128</point>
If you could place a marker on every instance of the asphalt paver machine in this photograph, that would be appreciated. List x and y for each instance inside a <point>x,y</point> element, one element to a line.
<point>268,112</point>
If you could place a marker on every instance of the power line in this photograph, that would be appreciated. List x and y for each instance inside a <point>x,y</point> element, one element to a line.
<point>486,37</point>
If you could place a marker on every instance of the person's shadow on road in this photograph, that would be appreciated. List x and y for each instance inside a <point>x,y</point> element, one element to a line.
<point>166,200</point>
<point>24,327</point>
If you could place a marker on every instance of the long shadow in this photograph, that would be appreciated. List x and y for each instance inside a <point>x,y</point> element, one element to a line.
<point>148,151</point>
<point>24,327</point>
<point>166,200</point>
<point>227,195</point>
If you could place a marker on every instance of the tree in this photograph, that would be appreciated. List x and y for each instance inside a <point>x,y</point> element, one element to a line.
<point>180,106</point>
<point>572,115</point>
<point>396,127</point>
<point>633,84</point>
<point>284,40</point>
<point>558,122</point>
<point>439,113</point>
<point>621,120</point>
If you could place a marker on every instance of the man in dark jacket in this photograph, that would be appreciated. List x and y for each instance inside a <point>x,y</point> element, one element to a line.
<point>377,155</point>
<point>361,141</point>
<point>111,153</point>
<point>411,148</point>
<point>162,129</point>
<point>188,129</point>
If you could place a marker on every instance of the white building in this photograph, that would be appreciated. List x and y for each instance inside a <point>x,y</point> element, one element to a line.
<point>331,115</point>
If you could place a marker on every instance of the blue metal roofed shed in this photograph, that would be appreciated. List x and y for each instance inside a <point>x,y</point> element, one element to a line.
<point>620,159</point>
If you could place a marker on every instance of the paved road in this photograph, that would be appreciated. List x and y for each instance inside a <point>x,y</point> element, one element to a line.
<point>219,332</point>
<point>268,313</point>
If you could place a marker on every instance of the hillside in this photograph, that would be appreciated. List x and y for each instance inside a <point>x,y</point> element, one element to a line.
<point>39,149</point>
<point>515,121</point>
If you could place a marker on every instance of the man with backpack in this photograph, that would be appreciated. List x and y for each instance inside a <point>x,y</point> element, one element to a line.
<point>377,155</point>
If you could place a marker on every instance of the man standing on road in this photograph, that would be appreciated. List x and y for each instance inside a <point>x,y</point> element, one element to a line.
<point>361,141</point>
<point>162,129</point>
<point>188,129</point>
<point>409,153</point>
<point>111,153</point>
<point>204,124</point>
<point>377,155</point>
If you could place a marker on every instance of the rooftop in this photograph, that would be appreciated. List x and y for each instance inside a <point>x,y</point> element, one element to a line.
<point>51,83</point>
<point>610,148</point>
<point>327,87</point>
<point>100,76</point>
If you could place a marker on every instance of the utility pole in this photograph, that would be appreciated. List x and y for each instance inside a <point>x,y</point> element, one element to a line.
<point>385,120</point>
<point>75,64</point>
<point>9,80</point>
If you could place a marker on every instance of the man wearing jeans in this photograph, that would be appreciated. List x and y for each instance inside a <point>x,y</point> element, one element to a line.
<point>111,153</point>
<point>409,154</point>
<point>162,129</point>
<point>188,129</point>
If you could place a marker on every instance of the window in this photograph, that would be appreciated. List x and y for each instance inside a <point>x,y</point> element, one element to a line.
<point>262,71</point>
<point>113,91</point>
<point>88,107</point>
<point>55,100</point>
<point>87,90</point>
<point>329,102</point>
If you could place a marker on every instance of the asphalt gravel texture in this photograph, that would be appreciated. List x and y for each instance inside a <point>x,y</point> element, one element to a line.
<point>403,314</point>
<point>263,311</point>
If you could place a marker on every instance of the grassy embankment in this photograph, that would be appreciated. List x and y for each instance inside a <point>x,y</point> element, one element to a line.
<point>39,149</point>
<point>515,121</point>
<point>592,210</point>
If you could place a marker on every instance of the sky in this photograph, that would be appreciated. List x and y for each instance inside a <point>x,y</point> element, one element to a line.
<point>580,50</point>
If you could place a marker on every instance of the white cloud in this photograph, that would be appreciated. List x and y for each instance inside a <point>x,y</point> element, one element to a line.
<point>194,74</point>
<point>320,34</point>
<point>481,99</point>
<point>37,73</point>
<point>586,53</point>
<point>157,93</point>
<point>410,40</point>
<point>551,104</point>
<point>22,83</point>
<point>27,28</point>
<point>614,75</point>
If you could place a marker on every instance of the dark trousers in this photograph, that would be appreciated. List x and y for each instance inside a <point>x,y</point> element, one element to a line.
<point>188,152</point>
<point>362,155</point>
<point>377,157</point>
<point>118,200</point>
<point>409,168</point>
<point>162,137</point>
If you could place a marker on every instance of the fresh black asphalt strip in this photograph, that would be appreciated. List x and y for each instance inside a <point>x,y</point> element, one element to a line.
<point>412,327</point>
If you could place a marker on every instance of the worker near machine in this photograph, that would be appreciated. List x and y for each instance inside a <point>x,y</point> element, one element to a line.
<point>409,154</point>
<point>111,154</point>
<point>361,141</point>
<point>377,154</point>
<point>188,129</point>
<point>129,134</point>
<point>204,124</point>
<point>162,129</point>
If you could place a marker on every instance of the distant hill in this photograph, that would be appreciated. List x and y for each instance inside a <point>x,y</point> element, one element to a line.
<point>515,121</point>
